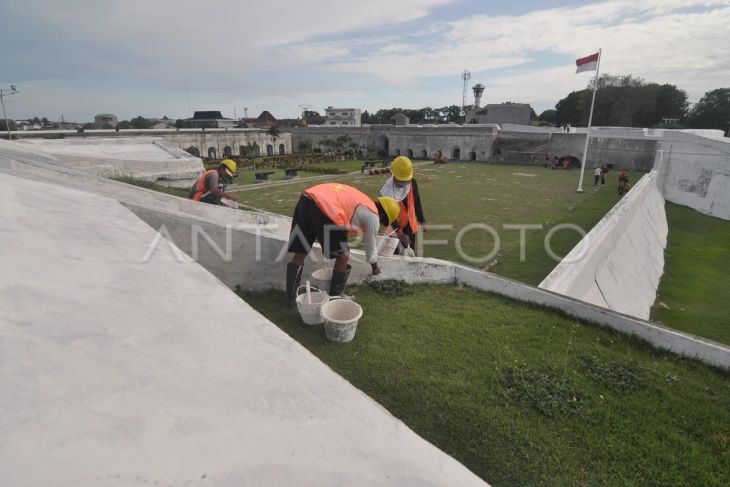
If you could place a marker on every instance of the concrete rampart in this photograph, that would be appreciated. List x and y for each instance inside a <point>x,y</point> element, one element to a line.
<point>695,172</point>
<point>147,158</point>
<point>619,263</point>
<point>121,370</point>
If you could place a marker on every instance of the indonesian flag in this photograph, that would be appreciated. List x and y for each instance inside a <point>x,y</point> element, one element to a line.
<point>588,63</point>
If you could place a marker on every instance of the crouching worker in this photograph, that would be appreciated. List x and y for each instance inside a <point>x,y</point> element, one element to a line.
<point>211,186</point>
<point>328,213</point>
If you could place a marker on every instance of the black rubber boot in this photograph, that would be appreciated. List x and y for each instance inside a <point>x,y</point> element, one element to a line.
<point>339,281</point>
<point>293,280</point>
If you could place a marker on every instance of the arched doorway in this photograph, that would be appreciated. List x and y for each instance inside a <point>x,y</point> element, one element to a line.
<point>397,152</point>
<point>269,150</point>
<point>282,149</point>
<point>212,153</point>
<point>472,156</point>
<point>193,151</point>
<point>383,144</point>
<point>455,154</point>
<point>424,154</point>
<point>409,153</point>
<point>227,151</point>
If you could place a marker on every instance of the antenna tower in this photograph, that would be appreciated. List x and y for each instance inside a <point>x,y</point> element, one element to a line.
<point>465,76</point>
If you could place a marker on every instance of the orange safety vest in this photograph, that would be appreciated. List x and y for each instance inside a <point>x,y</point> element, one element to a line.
<point>407,216</point>
<point>200,185</point>
<point>338,202</point>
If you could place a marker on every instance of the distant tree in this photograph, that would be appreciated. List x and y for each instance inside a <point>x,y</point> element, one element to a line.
<point>548,116</point>
<point>712,111</point>
<point>365,117</point>
<point>124,124</point>
<point>141,123</point>
<point>310,113</point>
<point>182,124</point>
<point>3,127</point>
<point>305,147</point>
<point>274,134</point>
<point>623,100</point>
<point>107,126</point>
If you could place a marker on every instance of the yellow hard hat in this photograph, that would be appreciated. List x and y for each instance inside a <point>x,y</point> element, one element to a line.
<point>231,165</point>
<point>391,208</point>
<point>402,168</point>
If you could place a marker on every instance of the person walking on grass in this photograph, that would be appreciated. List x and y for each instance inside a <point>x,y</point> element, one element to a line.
<point>596,176</point>
<point>402,187</point>
<point>328,213</point>
<point>211,185</point>
<point>623,183</point>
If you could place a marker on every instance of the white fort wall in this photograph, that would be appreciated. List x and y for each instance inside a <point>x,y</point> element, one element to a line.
<point>121,371</point>
<point>619,263</point>
<point>695,172</point>
<point>180,216</point>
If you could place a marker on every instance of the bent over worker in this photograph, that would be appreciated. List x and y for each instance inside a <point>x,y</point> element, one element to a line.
<point>403,188</point>
<point>327,213</point>
<point>211,185</point>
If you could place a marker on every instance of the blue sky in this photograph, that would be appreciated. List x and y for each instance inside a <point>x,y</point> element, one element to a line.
<point>79,58</point>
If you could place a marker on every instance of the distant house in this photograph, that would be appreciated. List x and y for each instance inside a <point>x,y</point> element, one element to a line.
<point>343,117</point>
<point>400,119</point>
<point>514,113</point>
<point>264,121</point>
<point>210,119</point>
<point>105,121</point>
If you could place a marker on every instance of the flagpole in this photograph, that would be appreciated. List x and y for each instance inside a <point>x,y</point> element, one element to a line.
<point>590,120</point>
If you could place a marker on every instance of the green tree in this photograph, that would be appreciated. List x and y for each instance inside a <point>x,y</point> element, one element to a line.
<point>141,123</point>
<point>712,111</point>
<point>3,127</point>
<point>305,147</point>
<point>124,124</point>
<point>548,116</point>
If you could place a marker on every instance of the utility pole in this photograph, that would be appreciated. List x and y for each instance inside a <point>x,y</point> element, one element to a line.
<point>4,93</point>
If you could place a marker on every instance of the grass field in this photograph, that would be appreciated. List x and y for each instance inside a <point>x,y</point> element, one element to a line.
<point>462,194</point>
<point>524,396</point>
<point>693,292</point>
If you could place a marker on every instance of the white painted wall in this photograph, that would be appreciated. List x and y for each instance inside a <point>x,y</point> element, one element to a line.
<point>117,371</point>
<point>147,158</point>
<point>695,172</point>
<point>619,263</point>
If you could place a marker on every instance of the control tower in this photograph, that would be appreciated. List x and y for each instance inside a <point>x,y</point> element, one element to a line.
<point>478,90</point>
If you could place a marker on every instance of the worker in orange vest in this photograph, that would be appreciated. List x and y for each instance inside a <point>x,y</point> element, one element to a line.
<point>403,188</point>
<point>327,213</point>
<point>211,185</point>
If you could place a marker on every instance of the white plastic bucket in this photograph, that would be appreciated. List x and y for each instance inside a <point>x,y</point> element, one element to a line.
<point>386,245</point>
<point>340,319</point>
<point>311,310</point>
<point>321,278</point>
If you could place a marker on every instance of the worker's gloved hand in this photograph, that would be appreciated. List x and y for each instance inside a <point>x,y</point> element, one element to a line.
<point>375,269</point>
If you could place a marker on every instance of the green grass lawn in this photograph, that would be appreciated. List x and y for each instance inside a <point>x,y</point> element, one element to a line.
<point>461,194</point>
<point>693,292</point>
<point>525,396</point>
<point>249,176</point>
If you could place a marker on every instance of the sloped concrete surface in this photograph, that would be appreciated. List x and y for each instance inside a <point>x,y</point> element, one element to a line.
<point>619,263</point>
<point>148,158</point>
<point>118,372</point>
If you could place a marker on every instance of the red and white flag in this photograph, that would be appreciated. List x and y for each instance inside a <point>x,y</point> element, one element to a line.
<point>588,63</point>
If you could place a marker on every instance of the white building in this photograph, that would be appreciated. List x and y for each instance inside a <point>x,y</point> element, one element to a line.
<point>342,117</point>
<point>105,120</point>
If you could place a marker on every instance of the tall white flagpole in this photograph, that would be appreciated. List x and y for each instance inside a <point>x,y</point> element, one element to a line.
<point>590,119</point>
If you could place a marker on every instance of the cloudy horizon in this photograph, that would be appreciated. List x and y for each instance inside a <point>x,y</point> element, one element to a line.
<point>171,58</point>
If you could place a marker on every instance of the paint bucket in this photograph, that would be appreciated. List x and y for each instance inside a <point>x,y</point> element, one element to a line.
<point>310,305</point>
<point>321,278</point>
<point>386,245</point>
<point>340,319</point>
